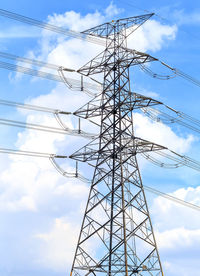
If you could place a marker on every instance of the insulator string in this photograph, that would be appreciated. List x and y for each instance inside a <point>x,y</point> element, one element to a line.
<point>60,69</point>
<point>82,87</point>
<point>155,75</point>
<point>76,84</point>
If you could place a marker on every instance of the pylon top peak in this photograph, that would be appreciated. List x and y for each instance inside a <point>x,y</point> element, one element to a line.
<point>107,29</point>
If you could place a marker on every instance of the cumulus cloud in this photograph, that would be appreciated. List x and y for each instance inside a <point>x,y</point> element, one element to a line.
<point>186,18</point>
<point>179,239</point>
<point>180,247</point>
<point>144,39</point>
<point>55,251</point>
<point>172,215</point>
<point>177,230</point>
<point>161,134</point>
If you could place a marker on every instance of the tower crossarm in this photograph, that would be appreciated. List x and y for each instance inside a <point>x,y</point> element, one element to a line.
<point>95,107</point>
<point>106,61</point>
<point>130,147</point>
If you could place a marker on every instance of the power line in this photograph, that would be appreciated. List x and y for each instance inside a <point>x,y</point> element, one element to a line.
<point>181,160</point>
<point>52,158</point>
<point>29,153</point>
<point>71,83</point>
<point>50,27</point>
<point>74,175</point>
<point>42,74</point>
<point>156,14</point>
<point>176,72</point>
<point>181,118</point>
<point>33,107</point>
<point>32,61</point>
<point>172,198</point>
<point>78,35</point>
<point>66,131</point>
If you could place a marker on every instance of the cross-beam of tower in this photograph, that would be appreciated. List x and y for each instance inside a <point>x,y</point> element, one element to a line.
<point>116,236</point>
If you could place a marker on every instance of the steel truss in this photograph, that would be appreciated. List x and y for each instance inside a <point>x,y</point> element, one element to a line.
<point>116,236</point>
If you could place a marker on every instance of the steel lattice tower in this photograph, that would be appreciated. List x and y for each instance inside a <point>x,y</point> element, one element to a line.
<point>116,236</point>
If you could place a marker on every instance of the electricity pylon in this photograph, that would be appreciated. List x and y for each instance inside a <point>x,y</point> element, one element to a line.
<point>116,236</point>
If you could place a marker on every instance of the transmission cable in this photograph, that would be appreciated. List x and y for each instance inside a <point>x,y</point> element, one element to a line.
<point>82,36</point>
<point>76,84</point>
<point>50,27</point>
<point>148,71</point>
<point>53,157</point>
<point>33,107</point>
<point>176,72</point>
<point>66,131</point>
<point>181,160</point>
<point>73,84</point>
<point>181,118</point>
<point>32,61</point>
<point>172,198</point>
<point>181,74</point>
<point>156,14</point>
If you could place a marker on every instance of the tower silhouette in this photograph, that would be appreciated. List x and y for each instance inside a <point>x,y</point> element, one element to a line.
<point>116,236</point>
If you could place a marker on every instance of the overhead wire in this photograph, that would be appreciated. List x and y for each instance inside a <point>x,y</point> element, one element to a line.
<point>78,35</point>
<point>181,160</point>
<point>76,84</point>
<point>50,27</point>
<point>148,71</point>
<point>176,72</point>
<point>53,157</point>
<point>172,198</point>
<point>31,61</point>
<point>55,112</point>
<point>33,107</point>
<point>66,131</point>
<point>156,14</point>
<point>181,118</point>
<point>28,153</point>
<point>182,74</point>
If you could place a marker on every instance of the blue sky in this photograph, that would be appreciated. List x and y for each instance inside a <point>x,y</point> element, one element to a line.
<point>41,211</point>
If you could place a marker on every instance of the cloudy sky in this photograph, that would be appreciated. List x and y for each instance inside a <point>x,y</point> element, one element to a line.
<point>40,210</point>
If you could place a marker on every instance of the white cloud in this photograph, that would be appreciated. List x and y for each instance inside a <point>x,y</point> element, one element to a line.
<point>58,245</point>
<point>177,230</point>
<point>112,10</point>
<point>173,215</point>
<point>178,239</point>
<point>180,246</point>
<point>161,134</point>
<point>152,36</point>
<point>186,18</point>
